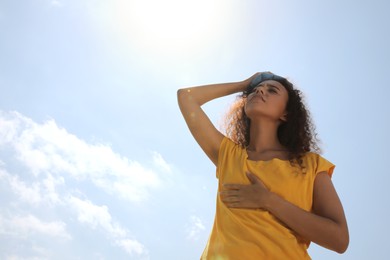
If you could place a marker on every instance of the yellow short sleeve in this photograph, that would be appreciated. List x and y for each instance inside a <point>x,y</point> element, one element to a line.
<point>324,165</point>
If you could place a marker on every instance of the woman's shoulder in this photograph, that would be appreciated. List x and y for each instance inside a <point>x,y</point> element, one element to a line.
<point>317,162</point>
<point>229,146</point>
<point>227,141</point>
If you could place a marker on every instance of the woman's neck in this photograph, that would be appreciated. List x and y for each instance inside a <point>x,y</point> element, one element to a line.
<point>264,137</point>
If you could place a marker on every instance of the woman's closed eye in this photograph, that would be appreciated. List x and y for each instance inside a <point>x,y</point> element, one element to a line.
<point>269,88</point>
<point>272,90</point>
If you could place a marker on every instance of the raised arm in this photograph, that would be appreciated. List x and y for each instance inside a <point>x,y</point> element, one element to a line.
<point>190,102</point>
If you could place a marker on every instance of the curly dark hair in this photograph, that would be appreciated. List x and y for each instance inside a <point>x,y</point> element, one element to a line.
<point>297,133</point>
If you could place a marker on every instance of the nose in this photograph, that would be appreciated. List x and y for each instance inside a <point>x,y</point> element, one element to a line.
<point>260,90</point>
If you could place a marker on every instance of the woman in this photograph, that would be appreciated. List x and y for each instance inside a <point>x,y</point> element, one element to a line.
<point>275,193</point>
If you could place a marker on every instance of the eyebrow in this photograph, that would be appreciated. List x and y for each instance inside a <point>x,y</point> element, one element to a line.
<point>271,85</point>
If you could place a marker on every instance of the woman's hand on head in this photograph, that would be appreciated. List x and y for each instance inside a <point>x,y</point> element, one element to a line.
<point>251,78</point>
<point>249,196</point>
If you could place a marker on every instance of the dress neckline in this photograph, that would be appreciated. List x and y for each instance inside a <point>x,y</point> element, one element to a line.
<point>264,161</point>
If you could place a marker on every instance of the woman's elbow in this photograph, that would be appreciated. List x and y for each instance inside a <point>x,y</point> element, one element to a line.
<point>342,244</point>
<point>181,93</point>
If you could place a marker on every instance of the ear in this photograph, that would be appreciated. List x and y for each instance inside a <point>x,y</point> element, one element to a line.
<point>284,117</point>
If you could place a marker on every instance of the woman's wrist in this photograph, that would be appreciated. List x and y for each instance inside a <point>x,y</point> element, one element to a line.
<point>243,85</point>
<point>272,199</point>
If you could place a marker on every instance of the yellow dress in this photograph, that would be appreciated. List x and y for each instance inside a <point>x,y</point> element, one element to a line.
<point>245,234</point>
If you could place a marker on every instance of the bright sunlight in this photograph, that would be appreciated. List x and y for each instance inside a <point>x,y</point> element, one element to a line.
<point>174,27</point>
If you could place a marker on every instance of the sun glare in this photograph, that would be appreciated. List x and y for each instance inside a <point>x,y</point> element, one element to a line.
<point>173,27</point>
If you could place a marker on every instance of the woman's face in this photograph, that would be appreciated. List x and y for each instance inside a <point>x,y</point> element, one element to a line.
<point>268,100</point>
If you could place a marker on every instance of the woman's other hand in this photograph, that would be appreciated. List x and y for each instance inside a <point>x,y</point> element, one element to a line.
<point>249,196</point>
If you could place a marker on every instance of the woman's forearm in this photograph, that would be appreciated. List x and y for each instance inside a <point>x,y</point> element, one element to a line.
<point>323,231</point>
<point>202,94</point>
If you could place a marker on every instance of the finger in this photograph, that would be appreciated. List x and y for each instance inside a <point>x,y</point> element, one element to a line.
<point>232,186</point>
<point>230,199</point>
<point>233,205</point>
<point>226,193</point>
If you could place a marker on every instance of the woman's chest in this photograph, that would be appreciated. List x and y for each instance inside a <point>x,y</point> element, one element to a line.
<point>278,176</point>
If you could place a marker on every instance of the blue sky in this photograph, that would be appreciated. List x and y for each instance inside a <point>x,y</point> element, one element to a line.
<point>96,161</point>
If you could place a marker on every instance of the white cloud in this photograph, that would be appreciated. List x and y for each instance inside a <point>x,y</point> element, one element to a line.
<point>96,216</point>
<point>29,193</point>
<point>36,192</point>
<point>99,217</point>
<point>46,148</point>
<point>161,163</point>
<point>24,226</point>
<point>131,246</point>
<point>194,228</point>
<point>45,165</point>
